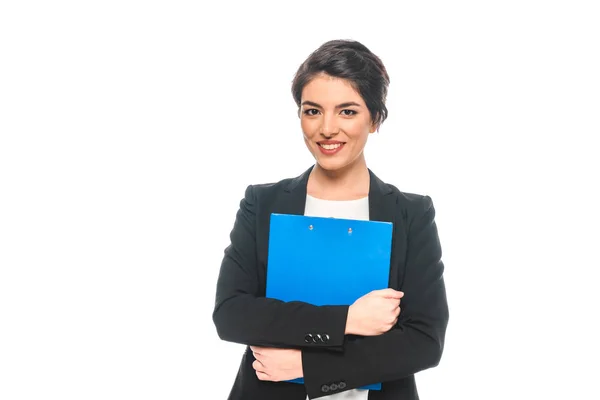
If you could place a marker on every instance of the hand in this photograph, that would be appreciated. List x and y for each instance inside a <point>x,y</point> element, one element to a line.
<point>374,313</point>
<point>277,364</point>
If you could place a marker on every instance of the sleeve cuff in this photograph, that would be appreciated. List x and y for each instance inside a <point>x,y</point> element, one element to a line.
<point>331,332</point>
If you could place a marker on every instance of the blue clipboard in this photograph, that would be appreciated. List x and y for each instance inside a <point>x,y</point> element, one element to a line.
<point>327,261</point>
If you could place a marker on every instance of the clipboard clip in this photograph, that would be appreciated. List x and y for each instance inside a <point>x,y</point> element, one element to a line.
<point>311,227</point>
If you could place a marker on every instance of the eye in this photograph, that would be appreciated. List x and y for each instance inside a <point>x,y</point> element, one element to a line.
<point>310,111</point>
<point>349,113</point>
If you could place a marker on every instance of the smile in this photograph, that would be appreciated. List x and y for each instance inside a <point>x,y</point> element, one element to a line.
<point>331,148</point>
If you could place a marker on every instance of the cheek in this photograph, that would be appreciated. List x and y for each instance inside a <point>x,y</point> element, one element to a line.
<point>308,127</point>
<point>357,130</point>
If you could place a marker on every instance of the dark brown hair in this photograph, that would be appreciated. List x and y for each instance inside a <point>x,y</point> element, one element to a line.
<point>353,61</point>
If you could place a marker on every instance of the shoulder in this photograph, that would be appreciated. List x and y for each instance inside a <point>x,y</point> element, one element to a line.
<point>261,197</point>
<point>268,189</point>
<point>418,202</point>
<point>410,205</point>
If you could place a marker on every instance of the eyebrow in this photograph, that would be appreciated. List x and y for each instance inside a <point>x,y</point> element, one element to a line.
<point>343,105</point>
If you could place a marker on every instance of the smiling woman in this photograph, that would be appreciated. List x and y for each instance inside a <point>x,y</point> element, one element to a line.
<point>340,91</point>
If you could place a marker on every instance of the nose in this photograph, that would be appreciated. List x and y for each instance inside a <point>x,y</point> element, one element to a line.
<point>329,126</point>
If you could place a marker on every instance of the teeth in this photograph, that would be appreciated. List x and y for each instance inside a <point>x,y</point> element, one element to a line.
<point>330,146</point>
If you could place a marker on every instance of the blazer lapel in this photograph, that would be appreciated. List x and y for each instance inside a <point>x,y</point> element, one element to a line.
<point>294,200</point>
<point>381,204</point>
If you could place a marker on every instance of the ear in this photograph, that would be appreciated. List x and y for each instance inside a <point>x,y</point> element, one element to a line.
<point>374,127</point>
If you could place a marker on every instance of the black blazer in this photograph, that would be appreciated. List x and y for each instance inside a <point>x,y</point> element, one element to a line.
<point>337,362</point>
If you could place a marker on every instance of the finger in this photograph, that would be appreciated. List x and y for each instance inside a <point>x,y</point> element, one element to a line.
<point>261,356</point>
<point>262,376</point>
<point>391,293</point>
<point>397,312</point>
<point>261,371</point>
<point>392,303</point>
<point>258,366</point>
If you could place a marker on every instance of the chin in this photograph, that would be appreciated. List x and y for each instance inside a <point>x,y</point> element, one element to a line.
<point>332,165</point>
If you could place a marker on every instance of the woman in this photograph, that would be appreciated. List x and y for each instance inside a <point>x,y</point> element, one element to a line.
<point>340,91</point>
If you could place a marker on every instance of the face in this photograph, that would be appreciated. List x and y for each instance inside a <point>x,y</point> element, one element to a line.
<point>335,121</point>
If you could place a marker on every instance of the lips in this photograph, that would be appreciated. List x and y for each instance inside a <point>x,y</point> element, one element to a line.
<point>330,147</point>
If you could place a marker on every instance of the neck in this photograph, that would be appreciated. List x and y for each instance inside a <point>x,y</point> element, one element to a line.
<point>348,183</point>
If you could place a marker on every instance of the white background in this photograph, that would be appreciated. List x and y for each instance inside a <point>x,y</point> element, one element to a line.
<point>129,131</point>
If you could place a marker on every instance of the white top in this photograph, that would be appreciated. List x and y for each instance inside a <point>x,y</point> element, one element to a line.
<point>347,209</point>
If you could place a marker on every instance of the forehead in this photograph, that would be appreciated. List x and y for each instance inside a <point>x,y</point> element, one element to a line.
<point>328,90</point>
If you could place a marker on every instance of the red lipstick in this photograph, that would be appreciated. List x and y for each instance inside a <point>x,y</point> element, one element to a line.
<point>330,147</point>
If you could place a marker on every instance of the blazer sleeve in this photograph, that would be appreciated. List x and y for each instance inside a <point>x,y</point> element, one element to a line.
<point>241,315</point>
<point>414,344</point>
